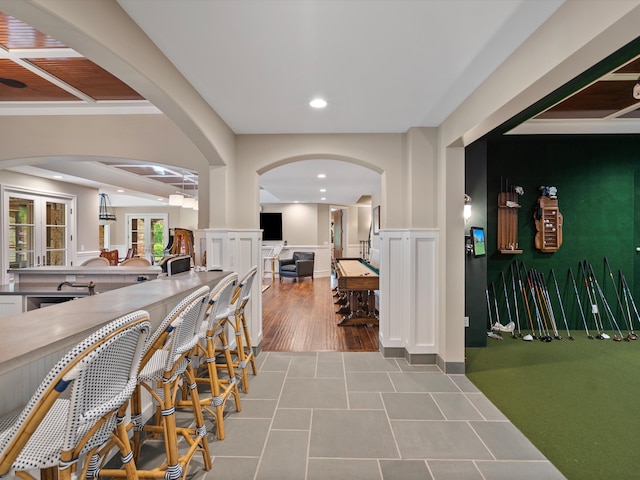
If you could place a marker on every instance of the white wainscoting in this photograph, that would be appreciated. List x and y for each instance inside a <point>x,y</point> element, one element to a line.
<point>86,255</point>
<point>408,300</point>
<point>236,251</point>
<point>321,264</point>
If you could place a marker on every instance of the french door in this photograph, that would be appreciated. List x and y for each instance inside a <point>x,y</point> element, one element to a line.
<point>147,233</point>
<point>37,229</point>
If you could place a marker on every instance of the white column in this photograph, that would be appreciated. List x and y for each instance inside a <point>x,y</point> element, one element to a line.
<point>236,251</point>
<point>409,322</point>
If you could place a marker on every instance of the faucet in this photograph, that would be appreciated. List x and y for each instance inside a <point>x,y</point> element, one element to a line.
<point>91,286</point>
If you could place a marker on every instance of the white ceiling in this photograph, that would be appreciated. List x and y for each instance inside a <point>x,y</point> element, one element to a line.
<point>383,66</point>
<point>344,183</point>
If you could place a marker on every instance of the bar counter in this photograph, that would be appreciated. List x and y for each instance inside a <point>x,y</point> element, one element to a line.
<point>32,342</point>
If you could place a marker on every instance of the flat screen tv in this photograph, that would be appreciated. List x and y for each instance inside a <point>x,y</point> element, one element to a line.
<point>478,241</point>
<point>271,226</point>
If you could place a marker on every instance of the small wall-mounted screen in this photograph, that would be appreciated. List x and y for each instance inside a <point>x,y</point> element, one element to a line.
<point>478,241</point>
<point>271,225</point>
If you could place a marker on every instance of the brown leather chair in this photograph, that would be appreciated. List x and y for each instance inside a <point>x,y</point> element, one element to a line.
<point>298,266</point>
<point>111,255</point>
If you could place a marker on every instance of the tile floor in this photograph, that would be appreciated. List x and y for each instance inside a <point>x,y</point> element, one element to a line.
<point>336,416</point>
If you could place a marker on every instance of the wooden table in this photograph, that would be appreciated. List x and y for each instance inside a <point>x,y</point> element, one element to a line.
<point>357,281</point>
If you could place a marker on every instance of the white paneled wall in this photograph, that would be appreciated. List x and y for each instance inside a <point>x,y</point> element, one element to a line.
<point>236,251</point>
<point>408,283</point>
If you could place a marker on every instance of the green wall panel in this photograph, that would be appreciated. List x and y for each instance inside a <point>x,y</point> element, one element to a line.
<point>597,196</point>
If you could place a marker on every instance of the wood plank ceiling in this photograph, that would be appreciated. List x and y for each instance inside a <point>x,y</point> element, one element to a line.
<point>610,96</point>
<point>37,68</point>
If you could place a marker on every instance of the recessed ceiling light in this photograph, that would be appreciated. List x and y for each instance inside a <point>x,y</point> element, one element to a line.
<point>296,201</point>
<point>120,190</point>
<point>58,176</point>
<point>160,199</point>
<point>323,198</point>
<point>10,82</point>
<point>318,103</point>
<point>323,190</point>
<point>322,175</point>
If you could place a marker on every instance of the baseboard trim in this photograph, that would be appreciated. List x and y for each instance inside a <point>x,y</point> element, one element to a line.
<point>452,368</point>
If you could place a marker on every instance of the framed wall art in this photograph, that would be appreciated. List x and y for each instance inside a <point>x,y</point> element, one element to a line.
<point>376,220</point>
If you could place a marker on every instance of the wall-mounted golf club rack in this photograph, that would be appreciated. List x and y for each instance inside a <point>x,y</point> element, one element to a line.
<point>548,220</point>
<point>508,217</point>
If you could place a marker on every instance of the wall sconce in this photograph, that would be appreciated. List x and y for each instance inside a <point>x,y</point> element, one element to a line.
<point>466,213</point>
<point>636,90</point>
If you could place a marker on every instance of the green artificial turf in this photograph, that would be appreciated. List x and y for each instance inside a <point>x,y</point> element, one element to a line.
<point>575,400</point>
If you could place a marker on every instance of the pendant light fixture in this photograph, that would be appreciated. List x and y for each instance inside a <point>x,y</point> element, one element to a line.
<point>177,199</point>
<point>105,213</point>
<point>190,202</point>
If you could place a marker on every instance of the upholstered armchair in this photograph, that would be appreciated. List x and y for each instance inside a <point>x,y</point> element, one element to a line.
<point>300,265</point>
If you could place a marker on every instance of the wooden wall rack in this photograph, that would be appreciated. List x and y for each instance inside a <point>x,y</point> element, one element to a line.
<point>508,223</point>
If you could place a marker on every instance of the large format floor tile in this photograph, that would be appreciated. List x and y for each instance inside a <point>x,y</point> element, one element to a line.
<point>359,416</point>
<point>351,434</point>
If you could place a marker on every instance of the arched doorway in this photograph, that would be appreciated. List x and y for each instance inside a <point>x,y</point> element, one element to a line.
<point>318,220</point>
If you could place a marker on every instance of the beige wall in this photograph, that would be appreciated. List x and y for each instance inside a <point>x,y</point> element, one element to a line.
<point>299,222</point>
<point>256,154</point>
<point>33,140</point>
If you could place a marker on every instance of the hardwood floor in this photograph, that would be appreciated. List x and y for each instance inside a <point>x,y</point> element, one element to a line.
<point>300,317</point>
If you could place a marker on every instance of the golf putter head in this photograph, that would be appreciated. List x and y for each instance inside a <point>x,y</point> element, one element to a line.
<point>570,337</point>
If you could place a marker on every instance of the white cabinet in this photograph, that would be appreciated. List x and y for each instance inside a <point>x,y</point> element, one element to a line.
<point>10,305</point>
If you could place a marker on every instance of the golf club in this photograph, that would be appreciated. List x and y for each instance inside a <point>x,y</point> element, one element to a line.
<point>511,326</point>
<point>607,308</point>
<point>543,337</point>
<point>630,335</point>
<point>628,296</point>
<point>564,317</point>
<point>523,292</point>
<point>549,306</point>
<point>575,289</point>
<point>515,301</point>
<point>490,333</point>
<point>591,294</point>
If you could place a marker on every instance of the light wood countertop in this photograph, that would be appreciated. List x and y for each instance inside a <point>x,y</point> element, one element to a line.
<point>31,336</point>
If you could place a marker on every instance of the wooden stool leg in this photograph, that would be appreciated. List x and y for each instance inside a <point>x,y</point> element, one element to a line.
<point>230,369</point>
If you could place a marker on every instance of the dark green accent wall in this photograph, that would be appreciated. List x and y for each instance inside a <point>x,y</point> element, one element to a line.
<point>597,195</point>
<point>476,267</point>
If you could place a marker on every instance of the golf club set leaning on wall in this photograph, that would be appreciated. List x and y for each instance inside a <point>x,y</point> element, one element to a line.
<point>527,297</point>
